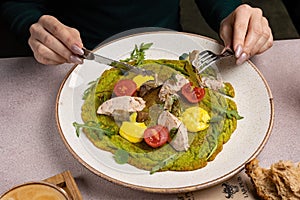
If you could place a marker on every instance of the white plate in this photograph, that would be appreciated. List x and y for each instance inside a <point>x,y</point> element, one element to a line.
<point>253,98</point>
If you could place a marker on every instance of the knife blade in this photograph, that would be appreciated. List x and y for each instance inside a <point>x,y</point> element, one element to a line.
<point>124,67</point>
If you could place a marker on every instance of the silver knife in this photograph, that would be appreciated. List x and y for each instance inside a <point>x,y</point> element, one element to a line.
<point>124,67</point>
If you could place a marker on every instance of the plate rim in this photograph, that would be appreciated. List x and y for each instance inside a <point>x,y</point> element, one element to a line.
<point>171,189</point>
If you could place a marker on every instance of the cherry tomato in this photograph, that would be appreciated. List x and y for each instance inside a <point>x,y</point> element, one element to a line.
<point>192,94</point>
<point>156,136</point>
<point>125,87</point>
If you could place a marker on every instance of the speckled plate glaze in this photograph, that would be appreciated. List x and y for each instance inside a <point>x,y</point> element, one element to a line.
<point>253,98</point>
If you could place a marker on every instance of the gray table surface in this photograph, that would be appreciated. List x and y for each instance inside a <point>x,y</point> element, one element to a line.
<point>31,148</point>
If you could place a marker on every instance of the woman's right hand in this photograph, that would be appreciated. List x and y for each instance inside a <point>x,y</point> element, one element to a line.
<point>247,32</point>
<point>54,43</point>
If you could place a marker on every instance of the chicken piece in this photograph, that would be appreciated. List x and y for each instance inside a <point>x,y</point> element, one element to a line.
<point>180,141</point>
<point>146,87</point>
<point>171,86</point>
<point>122,104</point>
<point>170,101</point>
<point>212,83</point>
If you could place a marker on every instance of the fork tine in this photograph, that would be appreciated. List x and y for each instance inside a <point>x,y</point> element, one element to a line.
<point>210,60</point>
<point>205,52</point>
<point>206,58</point>
<point>204,66</point>
<point>205,55</point>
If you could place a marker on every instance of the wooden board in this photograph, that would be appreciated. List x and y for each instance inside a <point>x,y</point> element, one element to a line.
<point>66,181</point>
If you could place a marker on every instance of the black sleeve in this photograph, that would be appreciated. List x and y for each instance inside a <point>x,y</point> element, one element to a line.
<point>19,15</point>
<point>214,11</point>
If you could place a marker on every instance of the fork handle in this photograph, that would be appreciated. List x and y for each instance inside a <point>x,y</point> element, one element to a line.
<point>227,51</point>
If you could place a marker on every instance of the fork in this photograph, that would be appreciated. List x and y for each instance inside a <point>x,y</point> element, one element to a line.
<point>206,58</point>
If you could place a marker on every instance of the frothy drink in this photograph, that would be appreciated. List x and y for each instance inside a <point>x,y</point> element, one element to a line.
<point>34,191</point>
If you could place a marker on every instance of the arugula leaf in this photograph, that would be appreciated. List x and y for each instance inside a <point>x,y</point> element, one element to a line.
<point>121,156</point>
<point>138,53</point>
<point>229,113</point>
<point>233,113</point>
<point>94,126</point>
<point>163,163</point>
<point>91,84</point>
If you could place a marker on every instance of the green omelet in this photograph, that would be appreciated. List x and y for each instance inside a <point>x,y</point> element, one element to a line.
<point>204,144</point>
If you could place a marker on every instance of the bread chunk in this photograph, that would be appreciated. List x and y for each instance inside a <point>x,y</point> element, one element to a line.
<point>280,182</point>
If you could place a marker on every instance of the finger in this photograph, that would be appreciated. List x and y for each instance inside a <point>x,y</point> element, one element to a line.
<point>39,33</point>
<point>45,55</point>
<point>267,45</point>
<point>257,38</point>
<point>240,28</point>
<point>226,32</point>
<point>68,36</point>
<point>266,40</point>
<point>43,36</point>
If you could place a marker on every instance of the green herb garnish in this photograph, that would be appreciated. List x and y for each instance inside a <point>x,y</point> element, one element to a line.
<point>184,56</point>
<point>91,84</point>
<point>138,54</point>
<point>163,163</point>
<point>93,126</point>
<point>121,156</point>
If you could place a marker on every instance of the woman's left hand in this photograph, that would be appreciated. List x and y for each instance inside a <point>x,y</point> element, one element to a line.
<point>247,32</point>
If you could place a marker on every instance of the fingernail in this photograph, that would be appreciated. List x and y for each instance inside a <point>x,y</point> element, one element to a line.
<point>77,50</point>
<point>75,59</point>
<point>238,51</point>
<point>242,59</point>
